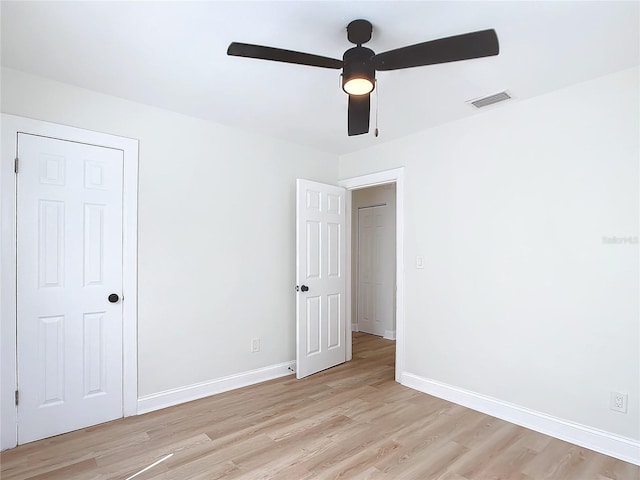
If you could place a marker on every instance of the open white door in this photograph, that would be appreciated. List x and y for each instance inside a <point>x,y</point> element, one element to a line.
<point>320,276</point>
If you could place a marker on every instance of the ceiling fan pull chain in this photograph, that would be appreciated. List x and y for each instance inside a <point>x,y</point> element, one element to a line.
<point>376,130</point>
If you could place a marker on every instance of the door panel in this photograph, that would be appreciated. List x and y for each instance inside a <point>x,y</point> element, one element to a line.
<point>51,352</point>
<point>51,243</point>
<point>69,240</point>
<point>320,265</point>
<point>94,349</point>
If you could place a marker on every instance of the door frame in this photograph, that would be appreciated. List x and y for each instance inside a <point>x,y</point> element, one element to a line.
<point>396,176</point>
<point>11,125</point>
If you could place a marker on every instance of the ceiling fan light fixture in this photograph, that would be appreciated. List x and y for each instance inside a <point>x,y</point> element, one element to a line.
<point>358,86</point>
<point>358,74</point>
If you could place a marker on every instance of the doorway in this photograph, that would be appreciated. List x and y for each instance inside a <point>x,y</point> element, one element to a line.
<point>373,262</point>
<point>396,176</point>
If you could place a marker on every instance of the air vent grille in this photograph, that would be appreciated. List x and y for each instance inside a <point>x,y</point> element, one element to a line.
<point>490,100</point>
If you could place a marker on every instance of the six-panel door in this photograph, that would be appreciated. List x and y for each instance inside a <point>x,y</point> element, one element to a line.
<point>321,242</point>
<point>69,227</point>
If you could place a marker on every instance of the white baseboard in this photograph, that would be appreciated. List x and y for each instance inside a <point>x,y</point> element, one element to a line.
<point>613,445</point>
<point>389,334</point>
<point>354,327</point>
<point>176,396</point>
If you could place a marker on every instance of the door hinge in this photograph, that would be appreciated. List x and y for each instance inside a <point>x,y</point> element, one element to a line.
<point>17,397</point>
<point>15,165</point>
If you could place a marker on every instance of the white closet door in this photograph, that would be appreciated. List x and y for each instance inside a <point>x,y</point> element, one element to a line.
<point>69,237</point>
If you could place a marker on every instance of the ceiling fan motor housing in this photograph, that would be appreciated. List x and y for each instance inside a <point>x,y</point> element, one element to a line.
<point>358,65</point>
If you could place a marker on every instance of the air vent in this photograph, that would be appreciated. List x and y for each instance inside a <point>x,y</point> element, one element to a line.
<point>490,100</point>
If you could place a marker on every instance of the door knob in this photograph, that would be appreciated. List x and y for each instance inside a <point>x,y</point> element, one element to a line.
<point>113,298</point>
<point>304,288</point>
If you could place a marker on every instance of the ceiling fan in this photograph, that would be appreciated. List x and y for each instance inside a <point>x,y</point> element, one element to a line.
<point>359,64</point>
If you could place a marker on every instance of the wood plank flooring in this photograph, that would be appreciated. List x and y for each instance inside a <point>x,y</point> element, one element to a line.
<point>351,421</point>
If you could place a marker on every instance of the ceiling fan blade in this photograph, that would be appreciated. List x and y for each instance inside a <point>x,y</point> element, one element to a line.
<point>451,49</point>
<point>280,55</point>
<point>359,108</point>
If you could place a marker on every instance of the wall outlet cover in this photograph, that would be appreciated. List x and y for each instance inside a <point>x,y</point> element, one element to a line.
<point>618,402</point>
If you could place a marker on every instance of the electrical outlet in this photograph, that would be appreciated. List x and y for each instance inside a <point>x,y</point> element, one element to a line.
<point>618,402</point>
<point>255,345</point>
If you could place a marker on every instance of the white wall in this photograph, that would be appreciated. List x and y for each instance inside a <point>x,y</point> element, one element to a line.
<point>216,231</point>
<point>520,299</point>
<point>366,197</point>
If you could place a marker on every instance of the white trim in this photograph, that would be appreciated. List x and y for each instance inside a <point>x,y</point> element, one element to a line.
<point>11,125</point>
<point>396,176</point>
<point>389,334</point>
<point>354,327</point>
<point>348,320</point>
<point>176,396</point>
<point>613,445</point>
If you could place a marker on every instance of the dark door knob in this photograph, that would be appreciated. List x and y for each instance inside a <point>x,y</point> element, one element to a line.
<point>304,288</point>
<point>113,298</point>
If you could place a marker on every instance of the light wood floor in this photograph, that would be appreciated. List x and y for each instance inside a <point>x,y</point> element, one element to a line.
<point>352,421</point>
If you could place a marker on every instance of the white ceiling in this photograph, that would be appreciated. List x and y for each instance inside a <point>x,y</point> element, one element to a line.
<point>173,55</point>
